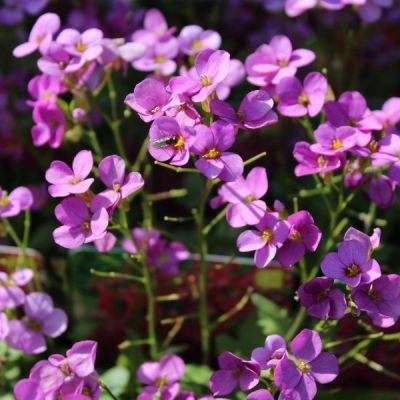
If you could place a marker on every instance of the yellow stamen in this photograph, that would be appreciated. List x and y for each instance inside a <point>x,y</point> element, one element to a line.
<point>180,143</point>
<point>160,59</point>
<point>303,99</point>
<point>267,235</point>
<point>205,81</point>
<point>212,154</point>
<point>303,366</point>
<point>81,47</point>
<point>336,144</point>
<point>197,45</point>
<point>352,271</point>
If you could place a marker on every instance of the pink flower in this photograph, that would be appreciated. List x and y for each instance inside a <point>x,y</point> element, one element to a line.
<point>11,293</point>
<point>193,39</point>
<point>211,144</point>
<point>41,35</point>
<point>20,199</point>
<point>65,181</point>
<point>296,100</point>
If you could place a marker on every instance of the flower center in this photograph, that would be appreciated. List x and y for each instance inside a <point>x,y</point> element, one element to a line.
<point>321,161</point>
<point>86,226</point>
<point>321,295</point>
<point>267,235</point>
<point>374,296</point>
<point>116,187</point>
<point>352,271</point>
<point>197,44</point>
<point>336,144</point>
<point>205,81</point>
<point>160,59</point>
<point>295,235</point>
<point>4,200</point>
<point>249,198</point>
<point>65,369</point>
<point>86,391</point>
<point>212,154</point>
<point>75,180</point>
<point>179,142</point>
<point>47,95</point>
<point>161,382</point>
<point>33,325</point>
<point>303,99</point>
<point>283,63</point>
<point>241,116</point>
<point>303,366</point>
<point>156,109</point>
<point>352,122</point>
<point>373,146</point>
<point>81,47</point>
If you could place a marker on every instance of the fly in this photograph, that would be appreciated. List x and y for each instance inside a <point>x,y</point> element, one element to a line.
<point>165,142</point>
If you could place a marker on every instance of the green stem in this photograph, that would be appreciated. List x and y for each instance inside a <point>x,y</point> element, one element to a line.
<point>176,169</point>
<point>116,275</point>
<point>94,142</point>
<point>214,221</point>
<point>298,321</point>
<point>11,231</point>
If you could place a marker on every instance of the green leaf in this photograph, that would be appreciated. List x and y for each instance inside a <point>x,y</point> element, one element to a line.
<point>116,378</point>
<point>197,374</point>
<point>272,319</point>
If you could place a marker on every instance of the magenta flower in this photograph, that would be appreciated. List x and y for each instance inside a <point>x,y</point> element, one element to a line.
<point>210,144</point>
<point>63,376</point>
<point>161,377</point>
<point>260,394</point>
<point>182,109</point>
<point>351,264</point>
<point>372,242</point>
<point>243,196</point>
<point>169,141</point>
<point>332,141</point>
<point>311,163</point>
<point>381,190</point>
<point>235,75</point>
<point>193,39</point>
<point>321,300</point>
<point>50,122</point>
<point>120,185</point>
<point>255,111</point>
<point>371,10</point>
<point>234,371</point>
<point>296,100</point>
<point>210,68</point>
<point>65,181</point>
<point>117,50</point>
<point>380,299</point>
<point>293,8</point>
<point>45,88</point>
<point>311,364</point>
<point>86,46</point>
<point>271,354</point>
<point>389,116</point>
<point>276,60</point>
<point>149,99</point>
<point>20,199</point>
<point>351,110</point>
<point>41,318</point>
<point>159,57</point>
<point>304,235</point>
<point>270,235</point>
<point>79,224</point>
<point>11,293</point>
<point>41,35</point>
<point>4,326</point>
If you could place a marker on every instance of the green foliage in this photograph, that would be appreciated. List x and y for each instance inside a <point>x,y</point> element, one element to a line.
<point>116,379</point>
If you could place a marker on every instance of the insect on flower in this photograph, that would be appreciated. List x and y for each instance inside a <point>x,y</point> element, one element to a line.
<point>165,142</point>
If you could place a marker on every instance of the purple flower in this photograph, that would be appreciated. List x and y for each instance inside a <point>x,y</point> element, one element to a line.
<point>65,181</point>
<point>351,264</point>
<point>210,68</point>
<point>332,141</point>
<point>41,35</point>
<point>243,196</point>
<point>149,99</point>
<point>169,141</point>
<point>193,39</point>
<point>260,394</point>
<point>371,10</point>
<point>276,60</point>
<point>372,242</point>
<point>380,299</point>
<point>45,88</point>
<point>211,143</point>
<point>182,109</point>
<point>270,235</point>
<point>235,75</point>
<point>310,365</point>
<point>11,292</point>
<point>117,50</point>
<point>63,376</point>
<point>50,122</point>
<point>20,199</point>
<point>234,371</point>
<point>79,224</point>
<point>293,8</point>
<point>161,377</point>
<point>255,111</point>
<point>381,191</point>
<point>86,46</point>
<point>120,185</point>
<point>311,163</point>
<point>321,300</point>
<point>271,354</point>
<point>41,319</point>
<point>389,116</point>
<point>159,57</point>
<point>296,100</point>
<point>4,326</point>
<point>351,110</point>
<point>304,234</point>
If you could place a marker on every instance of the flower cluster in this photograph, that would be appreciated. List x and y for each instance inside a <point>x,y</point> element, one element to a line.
<point>70,377</point>
<point>295,375</point>
<point>26,330</point>
<point>368,10</point>
<point>85,216</point>
<point>368,289</point>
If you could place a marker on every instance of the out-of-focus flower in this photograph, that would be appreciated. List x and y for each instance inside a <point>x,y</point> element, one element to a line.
<point>194,38</point>
<point>11,293</point>
<point>271,354</point>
